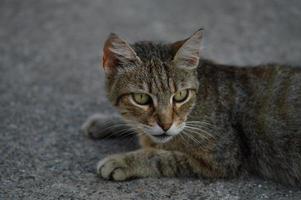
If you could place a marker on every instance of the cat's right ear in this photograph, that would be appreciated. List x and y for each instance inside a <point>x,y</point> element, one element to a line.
<point>117,53</point>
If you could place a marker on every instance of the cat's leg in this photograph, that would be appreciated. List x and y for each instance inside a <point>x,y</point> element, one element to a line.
<point>100,125</point>
<point>151,163</point>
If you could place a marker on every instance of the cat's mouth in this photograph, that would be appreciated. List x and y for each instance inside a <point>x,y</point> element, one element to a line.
<point>162,138</point>
<point>158,135</point>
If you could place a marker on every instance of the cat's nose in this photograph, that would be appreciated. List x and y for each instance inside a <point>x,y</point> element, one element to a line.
<point>165,126</point>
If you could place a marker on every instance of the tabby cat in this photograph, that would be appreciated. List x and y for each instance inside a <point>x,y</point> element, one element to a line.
<point>194,117</point>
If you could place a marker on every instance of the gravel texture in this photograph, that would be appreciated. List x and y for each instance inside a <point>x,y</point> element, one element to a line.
<point>50,82</point>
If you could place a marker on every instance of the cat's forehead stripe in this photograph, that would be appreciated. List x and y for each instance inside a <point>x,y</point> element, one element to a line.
<point>157,77</point>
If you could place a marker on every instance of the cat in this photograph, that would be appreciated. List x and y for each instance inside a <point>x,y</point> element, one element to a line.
<point>195,117</point>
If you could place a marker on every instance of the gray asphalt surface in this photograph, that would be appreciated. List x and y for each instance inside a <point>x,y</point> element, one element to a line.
<point>50,82</point>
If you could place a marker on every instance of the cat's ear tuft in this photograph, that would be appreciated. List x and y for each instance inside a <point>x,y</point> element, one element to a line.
<point>188,51</point>
<point>117,52</point>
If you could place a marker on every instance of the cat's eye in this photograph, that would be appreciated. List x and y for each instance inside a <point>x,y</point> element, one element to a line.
<point>141,98</point>
<point>180,96</point>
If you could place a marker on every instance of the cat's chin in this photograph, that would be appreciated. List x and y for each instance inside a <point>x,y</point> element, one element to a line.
<point>161,138</point>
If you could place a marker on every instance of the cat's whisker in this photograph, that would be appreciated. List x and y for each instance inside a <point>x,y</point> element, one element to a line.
<point>195,140</point>
<point>200,136</point>
<point>188,134</point>
<point>198,130</point>
<point>201,131</point>
<point>202,123</point>
<point>195,122</point>
<point>133,139</point>
<point>184,139</point>
<point>122,132</point>
<point>126,134</point>
<point>112,127</point>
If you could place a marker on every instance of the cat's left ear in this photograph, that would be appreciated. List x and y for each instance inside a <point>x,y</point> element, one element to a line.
<point>117,53</point>
<point>188,51</point>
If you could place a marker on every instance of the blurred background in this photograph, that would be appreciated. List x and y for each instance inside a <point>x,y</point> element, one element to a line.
<point>50,82</point>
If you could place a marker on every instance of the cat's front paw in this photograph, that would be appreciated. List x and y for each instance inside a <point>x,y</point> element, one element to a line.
<point>114,168</point>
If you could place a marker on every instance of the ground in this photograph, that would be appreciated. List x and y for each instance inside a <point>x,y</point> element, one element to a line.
<point>50,81</point>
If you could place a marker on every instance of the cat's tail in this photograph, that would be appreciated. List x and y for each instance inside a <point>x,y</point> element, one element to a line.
<point>100,126</point>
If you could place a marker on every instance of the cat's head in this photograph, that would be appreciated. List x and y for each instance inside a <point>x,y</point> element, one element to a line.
<point>153,85</point>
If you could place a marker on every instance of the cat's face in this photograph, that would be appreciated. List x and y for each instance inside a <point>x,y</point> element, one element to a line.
<point>153,86</point>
